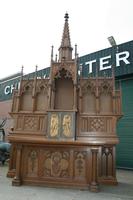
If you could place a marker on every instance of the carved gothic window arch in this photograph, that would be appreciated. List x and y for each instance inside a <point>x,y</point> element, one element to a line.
<point>105,97</point>
<point>64,88</point>
<point>88,98</point>
<point>26,97</point>
<point>42,97</point>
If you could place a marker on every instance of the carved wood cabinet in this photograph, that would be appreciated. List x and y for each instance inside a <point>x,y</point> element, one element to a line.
<point>64,131</point>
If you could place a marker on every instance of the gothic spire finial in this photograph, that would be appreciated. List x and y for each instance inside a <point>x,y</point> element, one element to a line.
<point>66,16</point>
<point>52,52</point>
<point>65,50</point>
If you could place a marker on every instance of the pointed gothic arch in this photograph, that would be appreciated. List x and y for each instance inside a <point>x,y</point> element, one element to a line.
<point>64,96</point>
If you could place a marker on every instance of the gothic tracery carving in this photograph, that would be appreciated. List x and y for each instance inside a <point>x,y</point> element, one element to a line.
<point>105,87</point>
<point>89,86</point>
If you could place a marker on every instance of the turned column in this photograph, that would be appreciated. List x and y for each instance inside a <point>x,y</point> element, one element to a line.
<point>97,104</point>
<point>94,186</point>
<point>17,179</point>
<point>12,162</point>
<point>75,97</point>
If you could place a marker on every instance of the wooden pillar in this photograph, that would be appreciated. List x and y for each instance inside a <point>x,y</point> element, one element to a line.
<point>52,98</point>
<point>114,101</point>
<point>49,95</point>
<point>80,100</point>
<point>34,103</point>
<point>75,97</point>
<point>18,103</point>
<point>17,179</point>
<point>97,104</point>
<point>97,97</point>
<point>12,162</point>
<point>94,186</point>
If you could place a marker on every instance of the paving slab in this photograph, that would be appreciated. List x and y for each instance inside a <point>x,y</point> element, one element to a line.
<point>124,190</point>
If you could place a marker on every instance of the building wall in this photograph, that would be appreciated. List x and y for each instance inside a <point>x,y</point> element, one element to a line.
<point>125,126</point>
<point>5,108</point>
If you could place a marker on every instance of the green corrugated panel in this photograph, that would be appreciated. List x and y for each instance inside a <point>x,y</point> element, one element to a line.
<point>125,127</point>
<point>123,69</point>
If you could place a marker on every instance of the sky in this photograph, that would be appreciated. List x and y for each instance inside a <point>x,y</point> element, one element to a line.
<point>28,29</point>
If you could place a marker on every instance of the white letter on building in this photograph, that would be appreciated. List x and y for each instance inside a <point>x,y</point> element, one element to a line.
<point>123,58</point>
<point>7,90</point>
<point>104,61</point>
<point>90,65</point>
<point>12,88</point>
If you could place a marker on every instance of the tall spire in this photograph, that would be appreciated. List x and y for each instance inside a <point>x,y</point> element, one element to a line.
<point>65,50</point>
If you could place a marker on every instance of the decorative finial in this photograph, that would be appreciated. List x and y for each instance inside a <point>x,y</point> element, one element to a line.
<point>35,75</point>
<point>22,69</point>
<point>36,68</point>
<point>22,72</point>
<point>66,16</point>
<point>56,58</point>
<point>75,51</point>
<point>52,52</point>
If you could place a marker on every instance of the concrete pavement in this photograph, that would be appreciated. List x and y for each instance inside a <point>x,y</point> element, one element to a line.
<point>124,191</point>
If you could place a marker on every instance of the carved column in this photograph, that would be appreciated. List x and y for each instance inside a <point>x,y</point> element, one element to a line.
<point>18,103</point>
<point>75,97</point>
<point>12,162</point>
<point>114,101</point>
<point>94,186</point>
<point>97,98</point>
<point>34,103</point>
<point>17,179</point>
<point>108,165</point>
<point>97,104</point>
<point>80,100</point>
<point>52,97</point>
<point>49,95</point>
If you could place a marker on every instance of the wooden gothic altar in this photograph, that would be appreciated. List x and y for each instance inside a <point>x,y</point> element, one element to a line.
<point>64,130</point>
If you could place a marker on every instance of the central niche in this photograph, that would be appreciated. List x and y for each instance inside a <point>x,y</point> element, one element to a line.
<point>63,90</point>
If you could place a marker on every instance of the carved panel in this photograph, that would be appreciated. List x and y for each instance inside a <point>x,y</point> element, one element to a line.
<point>105,87</point>
<point>67,124</point>
<point>26,86</point>
<point>84,124</point>
<point>43,124</point>
<point>41,102</point>
<point>97,124</point>
<point>89,86</point>
<point>42,86</point>
<point>56,164</point>
<point>88,90</point>
<point>19,122</point>
<point>106,103</point>
<point>64,95</point>
<point>54,125</point>
<point>61,125</point>
<point>42,95</point>
<point>89,103</point>
<point>32,163</point>
<point>107,161</point>
<point>68,71</point>
<point>30,123</point>
<point>60,163</point>
<point>80,164</point>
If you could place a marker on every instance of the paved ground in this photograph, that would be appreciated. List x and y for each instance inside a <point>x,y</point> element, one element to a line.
<point>124,191</point>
